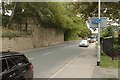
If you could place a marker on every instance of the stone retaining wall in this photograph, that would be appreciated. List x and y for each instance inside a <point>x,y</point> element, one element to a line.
<point>40,37</point>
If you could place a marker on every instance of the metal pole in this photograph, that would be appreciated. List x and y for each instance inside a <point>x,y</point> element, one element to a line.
<point>98,55</point>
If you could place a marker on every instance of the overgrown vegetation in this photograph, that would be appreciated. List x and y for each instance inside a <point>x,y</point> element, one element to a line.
<point>110,59</point>
<point>110,32</point>
<point>48,14</point>
<point>108,62</point>
<point>59,15</point>
<point>14,33</point>
<point>90,9</point>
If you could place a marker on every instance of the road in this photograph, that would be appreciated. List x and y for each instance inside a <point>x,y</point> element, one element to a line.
<point>51,62</point>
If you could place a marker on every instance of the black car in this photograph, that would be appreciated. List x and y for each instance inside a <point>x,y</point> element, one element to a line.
<point>15,66</point>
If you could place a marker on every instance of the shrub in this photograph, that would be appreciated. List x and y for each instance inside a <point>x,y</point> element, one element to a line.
<point>13,34</point>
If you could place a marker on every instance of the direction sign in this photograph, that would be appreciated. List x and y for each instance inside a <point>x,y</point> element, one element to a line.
<point>94,22</point>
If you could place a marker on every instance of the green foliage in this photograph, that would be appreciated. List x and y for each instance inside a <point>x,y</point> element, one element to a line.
<point>116,47</point>
<point>49,14</point>
<point>108,32</point>
<point>90,9</point>
<point>13,34</point>
<point>108,62</point>
<point>5,20</point>
<point>71,35</point>
<point>84,32</point>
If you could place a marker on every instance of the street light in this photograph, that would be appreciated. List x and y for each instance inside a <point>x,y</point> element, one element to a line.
<point>98,55</point>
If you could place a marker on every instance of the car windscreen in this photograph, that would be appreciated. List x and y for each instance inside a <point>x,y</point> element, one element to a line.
<point>93,38</point>
<point>83,41</point>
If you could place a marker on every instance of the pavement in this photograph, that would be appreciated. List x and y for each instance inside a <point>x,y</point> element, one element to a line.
<point>100,72</point>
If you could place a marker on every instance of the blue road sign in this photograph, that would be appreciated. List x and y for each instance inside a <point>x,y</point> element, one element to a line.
<point>96,21</point>
<point>100,27</point>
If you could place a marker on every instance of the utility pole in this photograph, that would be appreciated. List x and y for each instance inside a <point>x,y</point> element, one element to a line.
<point>98,55</point>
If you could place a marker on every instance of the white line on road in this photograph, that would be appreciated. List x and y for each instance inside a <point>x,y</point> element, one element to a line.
<point>31,58</point>
<point>72,45</point>
<point>63,67</point>
<point>66,47</point>
<point>49,52</point>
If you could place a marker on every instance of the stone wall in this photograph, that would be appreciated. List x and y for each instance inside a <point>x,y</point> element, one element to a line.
<point>17,44</point>
<point>40,37</point>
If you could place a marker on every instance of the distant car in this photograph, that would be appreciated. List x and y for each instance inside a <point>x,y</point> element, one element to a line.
<point>83,43</point>
<point>15,66</point>
<point>92,40</point>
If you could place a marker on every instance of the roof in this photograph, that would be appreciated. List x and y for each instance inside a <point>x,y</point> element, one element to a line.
<point>9,53</point>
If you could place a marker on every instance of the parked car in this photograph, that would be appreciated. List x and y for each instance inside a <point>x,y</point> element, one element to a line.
<point>83,43</point>
<point>92,40</point>
<point>15,66</point>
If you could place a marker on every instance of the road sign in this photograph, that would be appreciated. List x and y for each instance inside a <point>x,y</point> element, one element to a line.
<point>94,22</point>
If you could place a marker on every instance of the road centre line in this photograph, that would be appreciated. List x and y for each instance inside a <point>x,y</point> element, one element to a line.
<point>66,47</point>
<point>63,67</point>
<point>71,45</point>
<point>49,52</point>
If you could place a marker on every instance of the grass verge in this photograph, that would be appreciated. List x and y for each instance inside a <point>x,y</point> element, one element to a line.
<point>108,62</point>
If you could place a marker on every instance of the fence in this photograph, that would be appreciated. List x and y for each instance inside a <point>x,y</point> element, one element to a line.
<point>107,45</point>
<point>109,48</point>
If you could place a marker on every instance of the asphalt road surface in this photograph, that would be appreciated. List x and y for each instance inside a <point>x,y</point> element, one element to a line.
<point>49,61</point>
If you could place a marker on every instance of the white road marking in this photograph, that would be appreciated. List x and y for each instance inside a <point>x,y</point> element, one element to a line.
<point>72,45</point>
<point>31,58</point>
<point>63,67</point>
<point>66,47</point>
<point>49,52</point>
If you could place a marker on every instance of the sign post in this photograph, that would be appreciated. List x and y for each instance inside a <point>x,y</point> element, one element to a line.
<point>98,22</point>
<point>98,55</point>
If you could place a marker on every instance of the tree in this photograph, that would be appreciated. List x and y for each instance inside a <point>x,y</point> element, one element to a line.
<point>48,14</point>
<point>12,15</point>
<point>108,32</point>
<point>108,9</point>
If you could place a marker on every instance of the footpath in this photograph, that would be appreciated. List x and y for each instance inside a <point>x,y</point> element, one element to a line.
<point>84,66</point>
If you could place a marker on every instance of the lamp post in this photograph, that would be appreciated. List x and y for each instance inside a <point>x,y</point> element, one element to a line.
<point>98,55</point>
